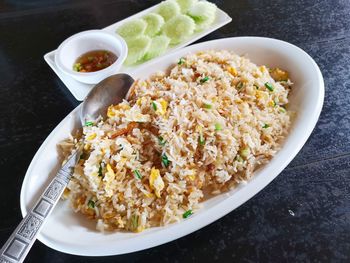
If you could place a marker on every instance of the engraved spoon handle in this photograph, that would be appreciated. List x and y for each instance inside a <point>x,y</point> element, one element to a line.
<point>18,245</point>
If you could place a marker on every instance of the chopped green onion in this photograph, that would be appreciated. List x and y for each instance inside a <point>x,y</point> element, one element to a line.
<point>100,170</point>
<point>181,61</point>
<point>218,127</point>
<point>244,152</point>
<point>239,159</point>
<point>201,139</point>
<point>256,86</point>
<point>137,174</point>
<point>205,79</point>
<point>134,222</point>
<point>269,86</point>
<point>284,82</point>
<point>240,85</point>
<point>91,204</point>
<point>154,105</point>
<point>282,109</point>
<point>207,106</point>
<point>165,160</point>
<point>162,142</point>
<point>89,123</point>
<point>90,58</point>
<point>266,126</point>
<point>187,213</point>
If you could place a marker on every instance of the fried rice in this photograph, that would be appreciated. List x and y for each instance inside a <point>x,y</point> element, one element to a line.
<point>183,135</point>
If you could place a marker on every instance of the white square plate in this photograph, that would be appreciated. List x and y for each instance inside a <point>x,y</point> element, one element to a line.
<point>80,90</point>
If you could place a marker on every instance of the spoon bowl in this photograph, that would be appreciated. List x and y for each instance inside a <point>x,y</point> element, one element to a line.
<point>111,90</point>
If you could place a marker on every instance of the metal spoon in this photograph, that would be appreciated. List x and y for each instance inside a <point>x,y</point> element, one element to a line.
<point>111,90</point>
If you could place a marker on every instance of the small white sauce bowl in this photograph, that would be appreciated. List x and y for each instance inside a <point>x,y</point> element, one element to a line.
<point>78,44</point>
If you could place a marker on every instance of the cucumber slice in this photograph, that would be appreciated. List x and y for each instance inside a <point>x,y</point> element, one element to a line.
<point>154,23</point>
<point>168,9</point>
<point>179,28</point>
<point>133,28</point>
<point>158,46</point>
<point>186,4</point>
<point>137,48</point>
<point>203,13</point>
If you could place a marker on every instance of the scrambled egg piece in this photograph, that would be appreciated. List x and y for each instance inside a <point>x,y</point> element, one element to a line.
<point>134,115</point>
<point>108,178</point>
<point>162,106</point>
<point>111,111</point>
<point>262,96</point>
<point>87,146</point>
<point>262,69</point>
<point>232,71</point>
<point>149,195</point>
<point>156,182</point>
<point>271,103</point>
<point>279,74</point>
<point>91,136</point>
<point>140,101</point>
<point>192,176</point>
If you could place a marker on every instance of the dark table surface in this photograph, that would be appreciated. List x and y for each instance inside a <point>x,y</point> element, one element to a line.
<point>315,186</point>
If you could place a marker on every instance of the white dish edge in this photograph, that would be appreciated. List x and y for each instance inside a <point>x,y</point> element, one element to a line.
<point>232,201</point>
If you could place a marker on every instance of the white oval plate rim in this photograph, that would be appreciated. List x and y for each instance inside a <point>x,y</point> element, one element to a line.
<point>175,231</point>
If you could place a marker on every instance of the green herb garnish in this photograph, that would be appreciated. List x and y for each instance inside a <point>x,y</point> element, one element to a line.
<point>154,105</point>
<point>91,204</point>
<point>207,106</point>
<point>100,170</point>
<point>134,222</point>
<point>244,153</point>
<point>269,86</point>
<point>187,213</point>
<point>218,127</point>
<point>266,126</point>
<point>181,61</point>
<point>161,140</point>
<point>201,139</point>
<point>256,86</point>
<point>137,174</point>
<point>89,123</point>
<point>205,79</point>
<point>240,85</point>
<point>282,109</point>
<point>165,160</point>
<point>239,159</point>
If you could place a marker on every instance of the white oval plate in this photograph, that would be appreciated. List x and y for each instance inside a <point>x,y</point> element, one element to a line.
<point>69,232</point>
